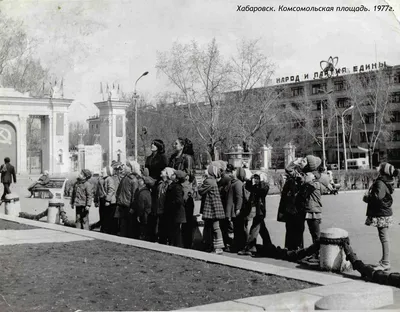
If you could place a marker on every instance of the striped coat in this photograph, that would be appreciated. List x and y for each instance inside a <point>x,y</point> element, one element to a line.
<point>211,204</point>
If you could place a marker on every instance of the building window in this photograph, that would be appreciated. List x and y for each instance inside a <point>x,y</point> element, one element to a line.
<point>342,103</point>
<point>297,124</point>
<point>97,126</point>
<point>318,88</point>
<point>395,116</point>
<point>92,126</point>
<point>396,78</point>
<point>396,135</point>
<point>60,156</point>
<point>363,137</point>
<point>340,86</point>
<point>395,97</point>
<point>369,118</point>
<point>394,153</point>
<point>297,91</point>
<point>295,105</point>
<point>319,103</point>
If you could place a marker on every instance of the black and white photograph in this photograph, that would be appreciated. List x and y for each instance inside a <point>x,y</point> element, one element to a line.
<point>199,155</point>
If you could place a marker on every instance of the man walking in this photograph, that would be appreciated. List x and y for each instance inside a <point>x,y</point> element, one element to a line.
<point>7,177</point>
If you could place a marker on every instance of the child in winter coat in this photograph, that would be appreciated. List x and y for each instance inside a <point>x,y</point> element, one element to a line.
<point>141,208</point>
<point>81,199</point>
<point>175,209</point>
<point>379,209</point>
<point>212,210</point>
<point>105,198</point>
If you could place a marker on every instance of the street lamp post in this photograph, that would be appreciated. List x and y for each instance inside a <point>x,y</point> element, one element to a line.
<point>322,129</point>
<point>136,110</point>
<point>344,136</point>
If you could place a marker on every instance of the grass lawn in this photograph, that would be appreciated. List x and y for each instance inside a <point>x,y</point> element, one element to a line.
<point>98,275</point>
<point>8,225</point>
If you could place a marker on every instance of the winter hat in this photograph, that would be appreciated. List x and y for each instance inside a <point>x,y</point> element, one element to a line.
<point>241,174</point>
<point>169,171</point>
<point>86,173</point>
<point>180,175</point>
<point>220,164</point>
<point>214,171</point>
<point>107,171</point>
<point>388,169</point>
<point>160,146</point>
<point>135,167</point>
<point>313,162</point>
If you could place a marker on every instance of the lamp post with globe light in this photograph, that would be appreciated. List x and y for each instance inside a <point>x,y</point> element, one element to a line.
<point>344,136</point>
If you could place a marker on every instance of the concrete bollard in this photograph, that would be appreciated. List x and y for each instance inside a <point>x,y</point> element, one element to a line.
<point>13,205</point>
<point>53,212</point>
<point>332,256</point>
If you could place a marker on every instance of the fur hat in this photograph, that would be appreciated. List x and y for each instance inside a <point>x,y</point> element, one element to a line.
<point>180,175</point>
<point>107,171</point>
<point>313,162</point>
<point>169,171</point>
<point>388,169</point>
<point>86,173</point>
<point>160,146</point>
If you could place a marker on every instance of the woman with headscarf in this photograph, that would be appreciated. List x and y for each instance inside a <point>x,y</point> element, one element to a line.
<point>212,210</point>
<point>159,230</point>
<point>81,199</point>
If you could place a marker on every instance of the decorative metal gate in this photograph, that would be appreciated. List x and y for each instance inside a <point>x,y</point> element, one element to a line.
<point>34,162</point>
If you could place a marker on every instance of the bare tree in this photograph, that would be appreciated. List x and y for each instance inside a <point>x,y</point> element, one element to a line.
<point>75,129</point>
<point>202,76</point>
<point>370,95</point>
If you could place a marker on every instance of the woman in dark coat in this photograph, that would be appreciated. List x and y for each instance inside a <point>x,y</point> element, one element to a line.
<point>174,209</point>
<point>157,161</point>
<point>182,158</point>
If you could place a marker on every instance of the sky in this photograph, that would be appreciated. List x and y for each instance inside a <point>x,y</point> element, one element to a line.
<point>114,41</point>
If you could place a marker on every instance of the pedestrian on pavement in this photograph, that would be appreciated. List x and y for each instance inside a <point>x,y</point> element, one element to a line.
<point>225,190</point>
<point>258,188</point>
<point>106,201</point>
<point>212,210</point>
<point>125,196</point>
<point>379,210</point>
<point>42,181</point>
<point>81,199</point>
<point>7,177</point>
<point>174,208</point>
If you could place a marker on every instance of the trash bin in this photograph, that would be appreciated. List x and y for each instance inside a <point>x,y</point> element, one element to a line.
<point>332,256</point>
<point>53,212</point>
<point>13,205</point>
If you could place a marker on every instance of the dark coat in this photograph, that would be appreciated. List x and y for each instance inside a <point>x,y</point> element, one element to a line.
<point>126,190</point>
<point>158,198</point>
<point>82,193</point>
<point>287,204</point>
<point>174,206</point>
<point>211,204</point>
<point>258,192</point>
<point>184,163</point>
<point>156,163</point>
<point>380,198</point>
<point>8,176</point>
<point>142,204</point>
<point>234,200</point>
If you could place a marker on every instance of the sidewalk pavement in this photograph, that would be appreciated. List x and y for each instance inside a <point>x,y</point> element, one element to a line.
<point>370,296</point>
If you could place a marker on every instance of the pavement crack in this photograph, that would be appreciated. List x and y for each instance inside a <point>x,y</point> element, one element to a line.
<point>253,305</point>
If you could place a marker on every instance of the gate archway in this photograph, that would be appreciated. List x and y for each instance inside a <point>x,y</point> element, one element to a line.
<point>8,142</point>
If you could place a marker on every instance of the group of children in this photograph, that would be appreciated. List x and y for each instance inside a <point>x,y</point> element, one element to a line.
<point>133,204</point>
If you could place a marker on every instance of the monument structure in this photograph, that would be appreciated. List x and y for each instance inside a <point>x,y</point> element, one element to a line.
<point>15,109</point>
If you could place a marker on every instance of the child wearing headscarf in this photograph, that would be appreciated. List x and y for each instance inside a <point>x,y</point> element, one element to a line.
<point>141,208</point>
<point>81,199</point>
<point>379,209</point>
<point>212,209</point>
<point>105,198</point>
<point>159,229</point>
<point>174,208</point>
